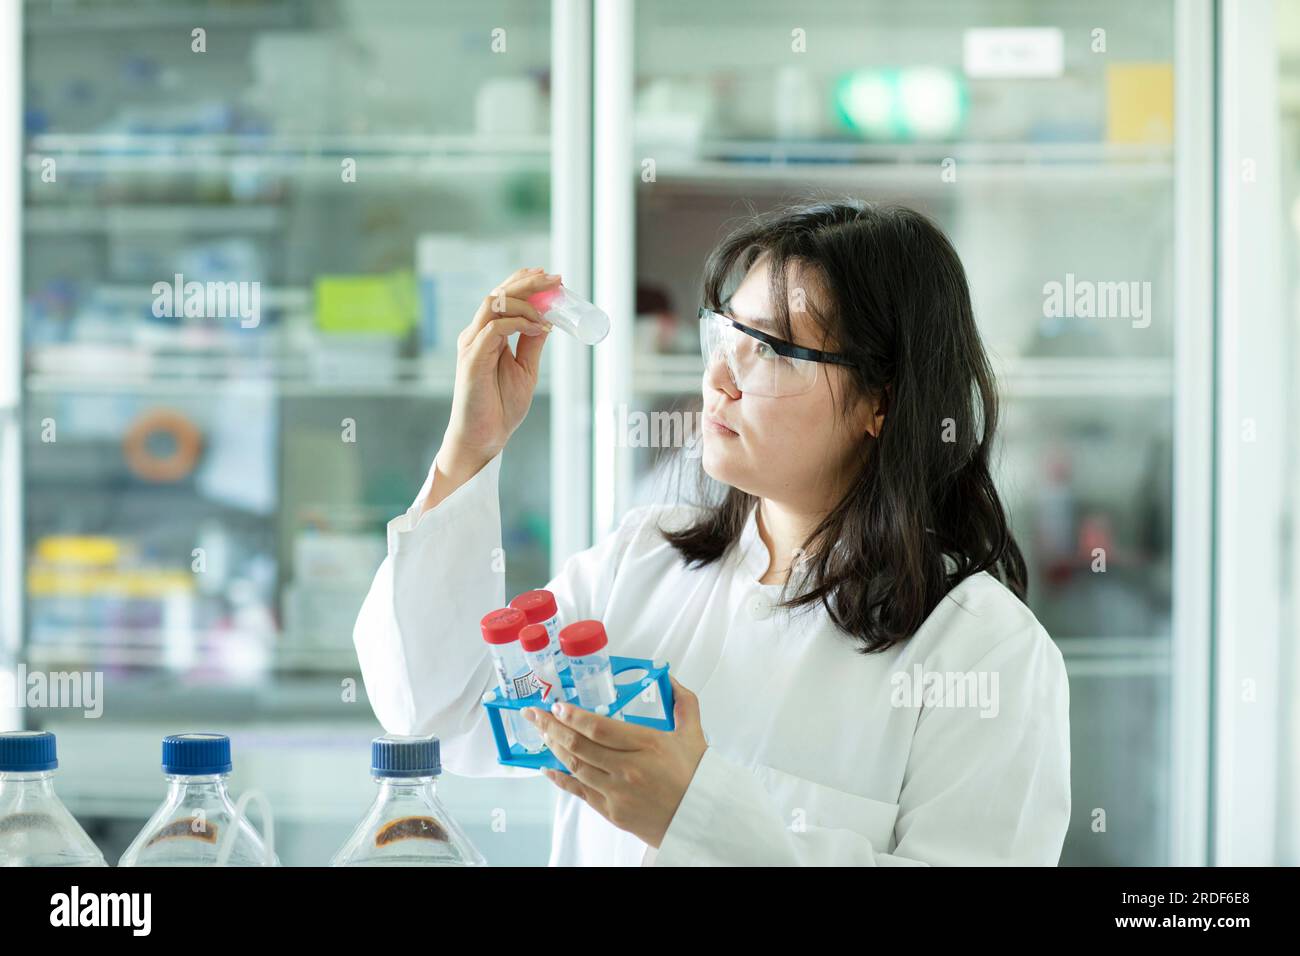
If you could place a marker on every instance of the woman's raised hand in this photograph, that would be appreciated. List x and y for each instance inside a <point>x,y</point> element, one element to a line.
<point>494,386</point>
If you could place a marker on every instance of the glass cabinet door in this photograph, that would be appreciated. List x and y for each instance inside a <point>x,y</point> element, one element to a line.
<point>1040,136</point>
<point>252,232</point>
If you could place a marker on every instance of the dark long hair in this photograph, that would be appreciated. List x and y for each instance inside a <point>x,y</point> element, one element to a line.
<point>922,513</point>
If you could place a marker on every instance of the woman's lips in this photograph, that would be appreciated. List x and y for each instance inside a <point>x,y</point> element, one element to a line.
<point>715,426</point>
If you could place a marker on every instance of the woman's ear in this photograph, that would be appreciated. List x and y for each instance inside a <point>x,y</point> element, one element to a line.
<point>877,419</point>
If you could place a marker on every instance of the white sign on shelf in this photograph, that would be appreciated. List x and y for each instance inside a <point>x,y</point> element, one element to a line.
<point>1013,52</point>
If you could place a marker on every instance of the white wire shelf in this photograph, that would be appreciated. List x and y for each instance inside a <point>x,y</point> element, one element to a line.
<point>916,166</point>
<point>60,220</point>
<point>414,153</point>
<point>114,647</point>
<point>274,376</point>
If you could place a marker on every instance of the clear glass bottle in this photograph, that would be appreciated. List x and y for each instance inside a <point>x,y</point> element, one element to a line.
<point>36,829</point>
<point>407,824</point>
<point>190,826</point>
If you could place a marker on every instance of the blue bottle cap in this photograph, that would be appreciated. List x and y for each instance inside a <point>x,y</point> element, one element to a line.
<point>196,755</point>
<point>392,756</point>
<point>27,751</point>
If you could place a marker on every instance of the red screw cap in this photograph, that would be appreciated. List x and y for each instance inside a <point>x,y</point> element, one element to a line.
<point>502,626</point>
<point>582,638</point>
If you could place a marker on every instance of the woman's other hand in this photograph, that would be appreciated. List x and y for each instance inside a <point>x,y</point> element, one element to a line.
<point>633,776</point>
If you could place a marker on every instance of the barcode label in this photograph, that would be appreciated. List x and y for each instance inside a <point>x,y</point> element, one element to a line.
<point>525,686</point>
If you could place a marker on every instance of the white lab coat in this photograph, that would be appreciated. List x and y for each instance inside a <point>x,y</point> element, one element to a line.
<point>815,756</point>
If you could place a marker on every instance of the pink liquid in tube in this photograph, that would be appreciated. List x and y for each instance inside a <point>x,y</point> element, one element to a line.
<point>572,314</point>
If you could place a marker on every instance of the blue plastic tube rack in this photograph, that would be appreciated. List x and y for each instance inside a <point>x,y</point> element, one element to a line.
<point>516,756</point>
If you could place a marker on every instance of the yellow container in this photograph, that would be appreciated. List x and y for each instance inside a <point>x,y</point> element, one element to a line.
<point>1140,103</point>
<point>81,550</point>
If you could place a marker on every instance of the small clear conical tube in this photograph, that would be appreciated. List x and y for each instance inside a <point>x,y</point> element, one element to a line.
<point>572,314</point>
<point>407,825</point>
<point>36,829</point>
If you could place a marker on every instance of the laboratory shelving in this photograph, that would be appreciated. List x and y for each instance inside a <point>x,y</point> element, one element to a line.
<point>1043,185</point>
<point>142,157</point>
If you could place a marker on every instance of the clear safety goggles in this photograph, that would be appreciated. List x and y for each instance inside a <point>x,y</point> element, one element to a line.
<point>759,363</point>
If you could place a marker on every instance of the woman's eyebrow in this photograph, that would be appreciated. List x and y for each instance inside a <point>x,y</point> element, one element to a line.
<point>752,321</point>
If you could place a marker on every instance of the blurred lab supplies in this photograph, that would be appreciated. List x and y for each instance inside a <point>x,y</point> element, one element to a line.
<point>798,104</point>
<point>1140,103</point>
<point>671,115</point>
<point>239,467</point>
<point>362,322</point>
<point>162,445</point>
<point>300,79</point>
<point>455,272</point>
<point>905,105</point>
<point>332,571</point>
<point>508,106</point>
<point>79,585</point>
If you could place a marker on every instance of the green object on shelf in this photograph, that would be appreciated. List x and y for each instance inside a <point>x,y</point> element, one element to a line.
<point>528,194</point>
<point>901,105</point>
<point>369,304</point>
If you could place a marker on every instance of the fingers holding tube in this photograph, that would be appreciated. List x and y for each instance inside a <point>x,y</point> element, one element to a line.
<point>492,338</point>
<point>510,298</point>
<point>496,309</point>
<point>528,351</point>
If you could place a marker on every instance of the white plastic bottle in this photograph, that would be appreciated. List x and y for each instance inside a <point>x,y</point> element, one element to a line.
<point>571,313</point>
<point>585,644</point>
<point>407,825</point>
<point>500,630</point>
<point>36,829</point>
<point>197,820</point>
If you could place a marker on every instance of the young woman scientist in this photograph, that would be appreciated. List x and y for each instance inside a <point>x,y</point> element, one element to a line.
<point>858,680</point>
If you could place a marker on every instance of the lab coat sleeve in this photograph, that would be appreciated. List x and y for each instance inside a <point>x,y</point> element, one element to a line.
<point>977,791</point>
<point>423,660</point>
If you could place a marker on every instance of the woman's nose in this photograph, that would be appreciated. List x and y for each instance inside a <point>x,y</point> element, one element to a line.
<point>718,376</point>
